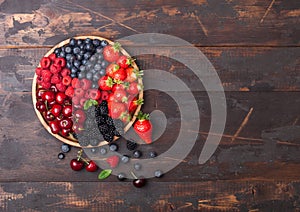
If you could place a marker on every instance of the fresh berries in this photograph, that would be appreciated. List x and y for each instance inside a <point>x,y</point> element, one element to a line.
<point>111,52</point>
<point>76,164</point>
<point>113,161</point>
<point>131,145</point>
<point>143,127</point>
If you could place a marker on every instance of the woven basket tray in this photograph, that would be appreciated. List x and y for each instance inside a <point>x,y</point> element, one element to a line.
<point>71,140</point>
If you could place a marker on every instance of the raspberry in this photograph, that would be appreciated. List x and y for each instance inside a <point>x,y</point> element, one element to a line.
<point>52,57</point>
<point>55,79</point>
<point>79,92</point>
<point>45,62</point>
<point>38,71</point>
<point>39,80</point>
<point>76,100</point>
<point>70,91</point>
<point>85,84</point>
<point>60,62</point>
<point>75,83</point>
<point>94,94</point>
<point>66,80</point>
<point>46,85</point>
<point>61,87</point>
<point>65,72</point>
<point>82,101</point>
<point>55,69</point>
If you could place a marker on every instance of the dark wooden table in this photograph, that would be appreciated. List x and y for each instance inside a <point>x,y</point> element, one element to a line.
<point>254,47</point>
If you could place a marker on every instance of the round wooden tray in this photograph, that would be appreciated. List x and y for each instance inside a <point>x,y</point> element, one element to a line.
<point>71,140</point>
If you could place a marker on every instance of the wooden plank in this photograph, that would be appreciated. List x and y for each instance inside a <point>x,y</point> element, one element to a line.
<point>221,195</point>
<point>267,146</point>
<point>239,69</point>
<point>202,23</point>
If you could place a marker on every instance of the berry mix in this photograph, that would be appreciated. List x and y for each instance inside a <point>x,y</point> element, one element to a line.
<point>87,91</point>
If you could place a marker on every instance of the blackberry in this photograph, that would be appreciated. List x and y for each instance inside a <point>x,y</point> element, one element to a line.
<point>83,142</point>
<point>94,133</point>
<point>94,142</point>
<point>103,128</point>
<point>117,133</point>
<point>101,120</point>
<point>102,109</point>
<point>131,145</point>
<point>110,121</point>
<point>89,123</point>
<point>108,137</point>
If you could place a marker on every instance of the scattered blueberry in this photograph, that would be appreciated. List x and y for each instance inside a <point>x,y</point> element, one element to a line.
<point>103,151</point>
<point>121,176</point>
<point>65,148</point>
<point>158,173</point>
<point>125,159</point>
<point>137,166</point>
<point>94,150</point>
<point>113,147</point>
<point>61,156</point>
<point>137,154</point>
<point>152,154</point>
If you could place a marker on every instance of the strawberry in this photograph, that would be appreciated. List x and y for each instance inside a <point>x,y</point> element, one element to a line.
<point>111,97</point>
<point>55,68</point>
<point>133,74</point>
<point>121,86</point>
<point>61,87</point>
<point>134,104</point>
<point>45,62</point>
<point>60,61</point>
<point>120,95</point>
<point>66,80</point>
<point>52,57</point>
<point>75,83</point>
<point>124,61</point>
<point>85,84</point>
<point>70,91</point>
<point>79,92</point>
<point>55,79</point>
<point>125,117</point>
<point>113,161</point>
<point>134,88</point>
<point>120,75</point>
<point>111,52</point>
<point>111,69</point>
<point>143,127</point>
<point>65,72</point>
<point>105,83</point>
<point>94,94</point>
<point>116,109</point>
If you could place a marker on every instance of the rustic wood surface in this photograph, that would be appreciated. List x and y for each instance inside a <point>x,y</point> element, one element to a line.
<point>254,47</point>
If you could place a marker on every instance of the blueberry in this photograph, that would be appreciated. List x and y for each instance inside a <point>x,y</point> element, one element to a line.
<point>79,42</point>
<point>113,147</point>
<point>73,42</point>
<point>87,55</point>
<point>94,150</point>
<point>81,75</point>
<point>97,67</point>
<point>104,43</point>
<point>74,70</point>
<point>57,51</point>
<point>65,148</point>
<point>76,50</point>
<point>81,53</point>
<point>83,62</point>
<point>93,71</point>
<point>61,156</point>
<point>89,75</point>
<point>137,154</point>
<point>69,57</point>
<point>79,57</point>
<point>96,42</point>
<point>81,47</point>
<point>87,40</point>
<point>102,72</point>
<point>95,85</point>
<point>89,47</point>
<point>121,176</point>
<point>158,173</point>
<point>104,64</point>
<point>62,54</point>
<point>125,159</point>
<point>93,58</point>
<point>100,57</point>
<point>73,75</point>
<point>69,65</point>
<point>99,49</point>
<point>153,154</point>
<point>68,49</point>
<point>77,63</point>
<point>96,77</point>
<point>89,65</point>
<point>137,166</point>
<point>103,151</point>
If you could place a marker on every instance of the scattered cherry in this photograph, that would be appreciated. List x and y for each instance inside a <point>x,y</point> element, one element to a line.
<point>76,164</point>
<point>91,167</point>
<point>139,182</point>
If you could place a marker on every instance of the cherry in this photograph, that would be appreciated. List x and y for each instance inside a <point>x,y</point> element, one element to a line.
<point>65,132</point>
<point>39,93</point>
<point>60,97</point>
<point>91,167</point>
<point>66,123</point>
<point>54,126</point>
<point>40,106</point>
<point>76,164</point>
<point>50,104</point>
<point>49,116</point>
<point>77,127</point>
<point>67,111</point>
<point>48,96</point>
<point>79,116</point>
<point>53,88</point>
<point>56,110</point>
<point>139,182</point>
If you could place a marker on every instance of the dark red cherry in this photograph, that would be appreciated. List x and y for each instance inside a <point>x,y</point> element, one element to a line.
<point>67,111</point>
<point>56,110</point>
<point>65,132</point>
<point>76,165</point>
<point>48,96</point>
<point>40,106</point>
<point>66,123</point>
<point>139,182</point>
<point>91,167</point>
<point>39,93</point>
<point>60,97</point>
<point>49,116</point>
<point>54,126</point>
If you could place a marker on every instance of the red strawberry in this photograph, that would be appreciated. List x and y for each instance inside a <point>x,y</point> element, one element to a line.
<point>124,61</point>
<point>125,117</point>
<point>52,57</point>
<point>121,86</point>
<point>69,91</point>
<point>120,95</point>
<point>85,84</point>
<point>113,161</point>
<point>116,109</point>
<point>105,83</point>
<point>45,62</point>
<point>76,83</point>
<point>38,71</point>
<point>120,75</point>
<point>66,80</point>
<point>79,92</point>
<point>134,88</point>
<point>55,79</point>
<point>55,68</point>
<point>133,74</point>
<point>111,52</point>
<point>60,61</point>
<point>94,94</point>
<point>134,104</point>
<point>61,87</point>
<point>143,127</point>
<point>111,69</point>
<point>65,72</point>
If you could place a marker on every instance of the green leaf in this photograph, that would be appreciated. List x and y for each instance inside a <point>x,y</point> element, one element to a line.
<point>89,103</point>
<point>104,174</point>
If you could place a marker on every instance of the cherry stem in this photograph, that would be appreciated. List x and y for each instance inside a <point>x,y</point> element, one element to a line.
<point>79,157</point>
<point>132,173</point>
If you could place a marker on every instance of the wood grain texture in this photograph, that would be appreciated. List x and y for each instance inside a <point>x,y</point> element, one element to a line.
<point>203,23</point>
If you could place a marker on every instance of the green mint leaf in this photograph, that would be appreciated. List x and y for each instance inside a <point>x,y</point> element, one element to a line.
<point>89,103</point>
<point>104,174</point>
